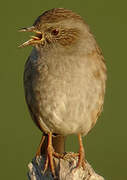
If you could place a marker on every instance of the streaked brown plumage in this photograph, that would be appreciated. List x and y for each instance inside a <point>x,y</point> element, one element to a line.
<point>64,76</point>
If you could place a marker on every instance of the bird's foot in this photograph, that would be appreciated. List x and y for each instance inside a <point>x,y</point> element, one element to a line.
<point>81,155</point>
<point>81,161</point>
<point>57,155</point>
<point>49,156</point>
<point>49,159</point>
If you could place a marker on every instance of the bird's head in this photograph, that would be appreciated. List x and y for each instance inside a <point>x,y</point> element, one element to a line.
<point>56,27</point>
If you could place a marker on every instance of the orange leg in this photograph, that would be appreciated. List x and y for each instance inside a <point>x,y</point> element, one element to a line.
<point>81,160</point>
<point>38,153</point>
<point>81,155</point>
<point>50,153</point>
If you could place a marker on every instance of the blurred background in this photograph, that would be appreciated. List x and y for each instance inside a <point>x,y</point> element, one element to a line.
<point>106,144</point>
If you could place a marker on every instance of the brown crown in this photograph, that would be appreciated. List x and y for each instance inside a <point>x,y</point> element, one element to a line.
<point>56,15</point>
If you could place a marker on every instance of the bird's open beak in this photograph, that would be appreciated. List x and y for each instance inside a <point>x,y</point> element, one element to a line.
<point>37,39</point>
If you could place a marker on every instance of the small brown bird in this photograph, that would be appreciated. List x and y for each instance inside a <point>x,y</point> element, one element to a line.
<point>64,79</point>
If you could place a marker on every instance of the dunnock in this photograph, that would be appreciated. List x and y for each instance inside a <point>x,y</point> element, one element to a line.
<point>64,78</point>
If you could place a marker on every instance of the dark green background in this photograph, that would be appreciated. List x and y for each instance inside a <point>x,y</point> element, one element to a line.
<point>106,144</point>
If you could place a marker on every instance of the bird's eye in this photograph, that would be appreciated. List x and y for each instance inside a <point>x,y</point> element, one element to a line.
<point>55,32</point>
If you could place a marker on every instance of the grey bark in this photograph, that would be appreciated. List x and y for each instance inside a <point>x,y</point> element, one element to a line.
<point>65,170</point>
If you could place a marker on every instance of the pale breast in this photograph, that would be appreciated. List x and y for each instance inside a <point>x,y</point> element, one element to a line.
<point>66,96</point>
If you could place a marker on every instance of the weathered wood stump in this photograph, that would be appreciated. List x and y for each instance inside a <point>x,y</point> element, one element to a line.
<point>65,170</point>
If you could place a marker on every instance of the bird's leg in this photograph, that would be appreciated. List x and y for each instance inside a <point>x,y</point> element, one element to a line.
<point>49,158</point>
<point>81,154</point>
<point>50,151</point>
<point>52,146</point>
<point>81,160</point>
<point>38,153</point>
